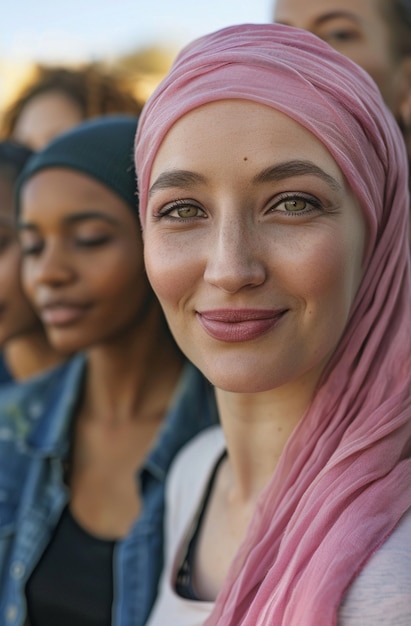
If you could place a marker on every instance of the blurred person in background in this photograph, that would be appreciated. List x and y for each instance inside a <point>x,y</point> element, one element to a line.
<point>25,350</point>
<point>376,34</point>
<point>81,539</point>
<point>58,98</point>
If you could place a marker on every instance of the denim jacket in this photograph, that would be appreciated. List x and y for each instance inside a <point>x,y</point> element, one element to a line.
<point>35,426</point>
<point>5,375</point>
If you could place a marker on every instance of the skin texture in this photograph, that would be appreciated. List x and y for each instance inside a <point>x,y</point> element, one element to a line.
<point>360,31</point>
<point>224,234</point>
<point>237,252</point>
<point>82,256</point>
<point>83,272</point>
<point>44,117</point>
<point>16,315</point>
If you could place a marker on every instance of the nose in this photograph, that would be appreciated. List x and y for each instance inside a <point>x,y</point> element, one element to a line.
<point>234,259</point>
<point>50,267</point>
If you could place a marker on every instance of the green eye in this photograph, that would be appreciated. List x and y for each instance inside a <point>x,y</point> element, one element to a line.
<point>187,211</point>
<point>295,205</point>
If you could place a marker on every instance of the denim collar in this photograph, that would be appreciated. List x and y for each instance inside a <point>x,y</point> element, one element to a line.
<point>191,410</point>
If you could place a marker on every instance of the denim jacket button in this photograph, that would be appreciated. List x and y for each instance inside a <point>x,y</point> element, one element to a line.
<point>17,570</point>
<point>11,613</point>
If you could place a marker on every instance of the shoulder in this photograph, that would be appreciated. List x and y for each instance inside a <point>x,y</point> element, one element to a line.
<point>186,485</point>
<point>23,405</point>
<point>189,476</point>
<point>381,594</point>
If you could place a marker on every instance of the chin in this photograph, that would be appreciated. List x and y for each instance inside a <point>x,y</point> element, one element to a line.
<point>239,383</point>
<point>64,343</point>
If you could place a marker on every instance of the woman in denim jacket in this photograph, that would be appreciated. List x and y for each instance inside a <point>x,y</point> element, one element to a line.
<point>83,457</point>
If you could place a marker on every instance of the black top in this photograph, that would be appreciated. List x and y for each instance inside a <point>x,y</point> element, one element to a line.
<point>73,581</point>
<point>184,581</point>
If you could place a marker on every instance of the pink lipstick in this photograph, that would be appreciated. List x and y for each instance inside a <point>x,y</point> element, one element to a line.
<point>237,325</point>
<point>62,314</point>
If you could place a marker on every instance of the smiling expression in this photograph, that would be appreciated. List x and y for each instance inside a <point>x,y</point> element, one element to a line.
<point>253,245</point>
<point>82,259</point>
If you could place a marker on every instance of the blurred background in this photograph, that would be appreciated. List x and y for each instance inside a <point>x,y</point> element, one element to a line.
<point>136,38</point>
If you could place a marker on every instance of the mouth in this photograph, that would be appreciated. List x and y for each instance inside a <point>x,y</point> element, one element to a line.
<point>62,314</point>
<point>238,325</point>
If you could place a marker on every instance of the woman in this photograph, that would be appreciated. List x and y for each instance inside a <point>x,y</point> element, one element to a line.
<point>25,349</point>
<point>376,34</point>
<point>88,473</point>
<point>58,98</point>
<point>273,197</point>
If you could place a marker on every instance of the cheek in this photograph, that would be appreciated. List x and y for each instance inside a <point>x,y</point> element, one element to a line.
<point>27,278</point>
<point>171,269</point>
<point>323,273</point>
<point>114,271</point>
<point>376,59</point>
<point>10,269</point>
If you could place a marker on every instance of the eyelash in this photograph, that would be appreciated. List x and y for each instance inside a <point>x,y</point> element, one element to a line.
<point>82,243</point>
<point>315,206</point>
<point>94,241</point>
<point>340,35</point>
<point>179,204</point>
<point>30,250</point>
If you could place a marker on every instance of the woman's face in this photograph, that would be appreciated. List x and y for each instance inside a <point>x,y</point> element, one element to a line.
<point>358,30</point>
<point>253,244</point>
<point>17,318</point>
<point>44,117</point>
<point>82,259</point>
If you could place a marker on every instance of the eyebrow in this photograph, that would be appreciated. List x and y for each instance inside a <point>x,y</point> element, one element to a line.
<point>76,218</point>
<point>176,178</point>
<point>335,15</point>
<point>291,169</point>
<point>281,171</point>
<point>326,17</point>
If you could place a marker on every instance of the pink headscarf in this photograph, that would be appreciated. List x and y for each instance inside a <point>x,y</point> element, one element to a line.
<point>344,478</point>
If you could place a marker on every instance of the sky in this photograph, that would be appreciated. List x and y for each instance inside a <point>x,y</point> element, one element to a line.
<point>77,30</point>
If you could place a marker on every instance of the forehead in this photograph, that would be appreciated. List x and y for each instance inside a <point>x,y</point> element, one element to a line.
<point>52,179</point>
<point>238,132</point>
<point>56,191</point>
<point>45,116</point>
<point>287,11</point>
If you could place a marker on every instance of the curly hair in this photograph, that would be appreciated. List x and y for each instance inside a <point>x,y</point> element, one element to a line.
<point>95,91</point>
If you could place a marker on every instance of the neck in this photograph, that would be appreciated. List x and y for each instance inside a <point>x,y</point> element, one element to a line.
<point>133,376</point>
<point>257,428</point>
<point>30,354</point>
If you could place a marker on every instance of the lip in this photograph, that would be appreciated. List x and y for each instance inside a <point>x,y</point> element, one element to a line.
<point>62,313</point>
<point>238,325</point>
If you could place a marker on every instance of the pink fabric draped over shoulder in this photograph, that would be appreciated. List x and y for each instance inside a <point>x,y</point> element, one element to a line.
<point>344,478</point>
